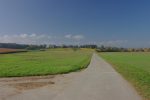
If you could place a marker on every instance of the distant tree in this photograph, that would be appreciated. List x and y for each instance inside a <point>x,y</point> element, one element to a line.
<point>110,49</point>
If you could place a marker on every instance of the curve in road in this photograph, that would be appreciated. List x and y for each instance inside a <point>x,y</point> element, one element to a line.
<point>98,82</point>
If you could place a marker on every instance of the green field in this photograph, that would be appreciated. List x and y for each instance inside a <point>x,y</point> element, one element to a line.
<point>135,67</point>
<point>53,61</point>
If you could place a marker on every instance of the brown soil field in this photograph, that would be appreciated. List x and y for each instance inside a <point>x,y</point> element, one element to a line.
<point>7,50</point>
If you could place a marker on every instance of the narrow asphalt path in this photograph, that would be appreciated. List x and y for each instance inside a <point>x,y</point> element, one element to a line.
<point>98,82</point>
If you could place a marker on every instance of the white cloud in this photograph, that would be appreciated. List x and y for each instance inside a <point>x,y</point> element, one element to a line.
<point>68,36</point>
<point>78,37</point>
<point>74,37</point>
<point>5,36</point>
<point>113,43</point>
<point>40,39</point>
<point>33,35</point>
<point>23,35</point>
<point>25,38</point>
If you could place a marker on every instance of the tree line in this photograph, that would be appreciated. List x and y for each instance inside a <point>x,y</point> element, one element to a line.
<point>119,49</point>
<point>22,46</point>
<point>92,46</point>
<point>43,46</point>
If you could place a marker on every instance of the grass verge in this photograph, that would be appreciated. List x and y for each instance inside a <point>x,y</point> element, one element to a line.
<point>135,67</point>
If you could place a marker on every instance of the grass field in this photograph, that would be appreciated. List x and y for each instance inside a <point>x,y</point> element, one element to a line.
<point>54,61</point>
<point>135,67</point>
<point>6,50</point>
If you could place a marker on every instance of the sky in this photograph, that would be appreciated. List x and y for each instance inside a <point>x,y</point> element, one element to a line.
<point>123,23</point>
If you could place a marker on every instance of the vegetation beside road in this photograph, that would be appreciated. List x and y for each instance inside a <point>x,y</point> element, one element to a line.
<point>135,67</point>
<point>51,61</point>
<point>119,49</point>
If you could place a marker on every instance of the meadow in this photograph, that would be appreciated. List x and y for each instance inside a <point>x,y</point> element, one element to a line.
<point>51,61</point>
<point>135,67</point>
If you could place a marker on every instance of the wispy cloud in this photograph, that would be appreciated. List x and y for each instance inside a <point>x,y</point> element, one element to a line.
<point>25,38</point>
<point>39,38</point>
<point>68,36</point>
<point>78,37</point>
<point>113,43</point>
<point>33,35</point>
<point>74,37</point>
<point>23,35</point>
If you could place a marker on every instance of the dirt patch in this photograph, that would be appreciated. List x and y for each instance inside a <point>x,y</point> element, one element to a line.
<point>26,83</point>
<point>16,85</point>
<point>30,78</point>
<point>30,85</point>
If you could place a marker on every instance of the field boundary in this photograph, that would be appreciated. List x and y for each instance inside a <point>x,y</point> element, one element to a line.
<point>133,82</point>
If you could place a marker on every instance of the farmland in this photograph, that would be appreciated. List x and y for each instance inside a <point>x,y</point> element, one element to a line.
<point>6,50</point>
<point>52,61</point>
<point>135,67</point>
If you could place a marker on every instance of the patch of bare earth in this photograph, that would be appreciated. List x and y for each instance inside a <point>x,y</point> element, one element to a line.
<point>15,85</point>
<point>30,85</point>
<point>31,78</point>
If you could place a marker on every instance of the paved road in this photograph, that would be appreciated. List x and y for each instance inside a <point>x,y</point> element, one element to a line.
<point>98,82</point>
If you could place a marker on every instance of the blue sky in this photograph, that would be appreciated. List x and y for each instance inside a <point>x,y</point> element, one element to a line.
<point>123,23</point>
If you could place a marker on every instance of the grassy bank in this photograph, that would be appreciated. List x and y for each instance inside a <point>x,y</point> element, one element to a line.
<point>53,61</point>
<point>135,67</point>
